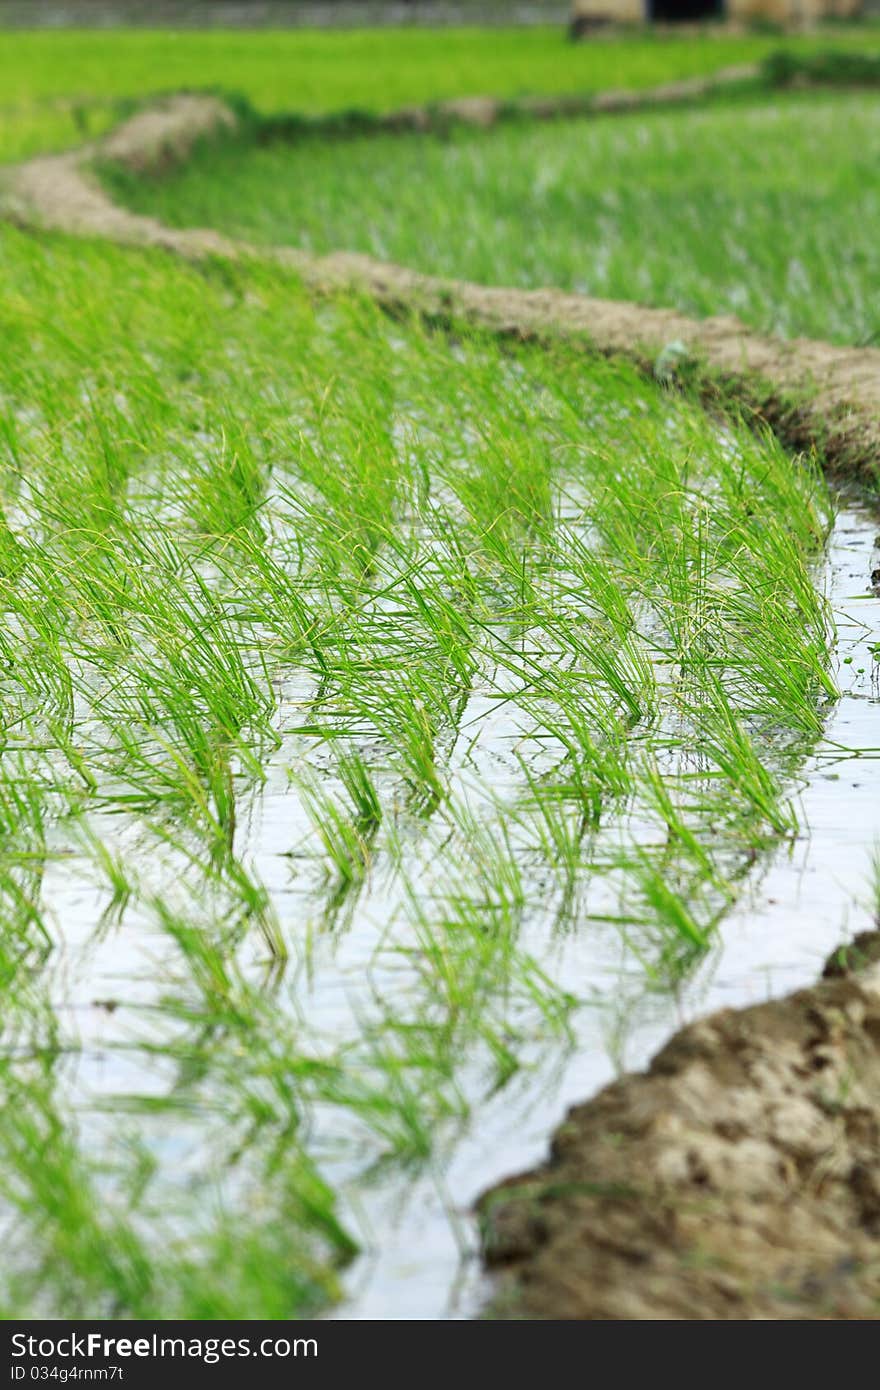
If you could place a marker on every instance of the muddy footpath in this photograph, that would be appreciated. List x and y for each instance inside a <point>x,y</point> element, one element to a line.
<point>739,1177</point>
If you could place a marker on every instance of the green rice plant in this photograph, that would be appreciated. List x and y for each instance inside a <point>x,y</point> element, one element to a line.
<point>836,68</point>
<point>345,837</point>
<point>83,1250</point>
<point>337,702</point>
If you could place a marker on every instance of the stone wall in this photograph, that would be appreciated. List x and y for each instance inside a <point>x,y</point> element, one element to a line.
<point>589,13</point>
<point>277,14</point>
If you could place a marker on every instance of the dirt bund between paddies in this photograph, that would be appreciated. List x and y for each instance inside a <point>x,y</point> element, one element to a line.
<point>813,394</point>
<point>737,1178</point>
<point>740,1175</point>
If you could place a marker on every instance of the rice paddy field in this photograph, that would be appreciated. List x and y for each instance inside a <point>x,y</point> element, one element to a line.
<point>765,208</point>
<point>401,729</point>
<point>56,87</point>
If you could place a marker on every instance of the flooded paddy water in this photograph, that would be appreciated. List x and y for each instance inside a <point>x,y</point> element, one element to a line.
<point>811,895</point>
<point>413,1220</point>
<point>388,760</point>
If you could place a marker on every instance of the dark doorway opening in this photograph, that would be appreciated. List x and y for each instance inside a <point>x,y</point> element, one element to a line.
<point>684,11</point>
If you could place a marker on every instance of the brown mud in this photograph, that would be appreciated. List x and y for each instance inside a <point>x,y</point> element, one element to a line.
<point>739,1177</point>
<point>485,112</point>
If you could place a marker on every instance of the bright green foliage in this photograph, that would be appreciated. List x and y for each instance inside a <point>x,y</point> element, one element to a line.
<point>56,85</point>
<point>767,210</point>
<point>343,667</point>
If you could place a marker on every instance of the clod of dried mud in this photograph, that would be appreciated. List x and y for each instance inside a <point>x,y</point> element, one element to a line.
<point>811,393</point>
<point>165,133</point>
<point>739,1177</point>
<point>59,192</point>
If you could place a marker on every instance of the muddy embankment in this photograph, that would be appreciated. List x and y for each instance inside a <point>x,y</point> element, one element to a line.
<point>812,393</point>
<point>739,1177</point>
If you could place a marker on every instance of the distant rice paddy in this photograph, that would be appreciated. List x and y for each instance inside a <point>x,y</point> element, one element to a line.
<point>56,86</point>
<point>766,209</point>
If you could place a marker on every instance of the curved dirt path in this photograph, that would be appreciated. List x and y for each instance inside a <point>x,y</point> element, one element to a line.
<point>489,111</point>
<point>738,1177</point>
<point>812,393</point>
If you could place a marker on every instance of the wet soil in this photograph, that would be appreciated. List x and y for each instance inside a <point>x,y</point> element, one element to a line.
<point>737,1178</point>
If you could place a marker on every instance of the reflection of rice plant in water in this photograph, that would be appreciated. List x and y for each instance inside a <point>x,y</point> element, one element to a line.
<point>321,688</point>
